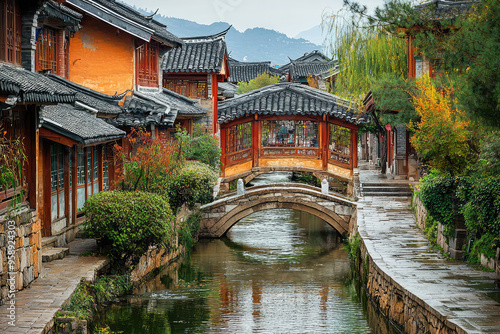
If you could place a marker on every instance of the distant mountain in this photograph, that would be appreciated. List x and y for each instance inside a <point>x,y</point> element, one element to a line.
<point>313,35</point>
<point>257,44</point>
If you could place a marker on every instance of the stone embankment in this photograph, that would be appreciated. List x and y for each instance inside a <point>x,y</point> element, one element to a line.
<point>416,287</point>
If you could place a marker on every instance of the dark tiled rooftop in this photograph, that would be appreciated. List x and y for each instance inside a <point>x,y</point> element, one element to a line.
<point>241,71</point>
<point>67,17</point>
<point>198,55</point>
<point>444,9</point>
<point>300,69</point>
<point>128,13</point>
<point>78,124</point>
<point>33,87</point>
<point>103,103</point>
<point>183,105</point>
<point>288,99</point>
<point>315,56</point>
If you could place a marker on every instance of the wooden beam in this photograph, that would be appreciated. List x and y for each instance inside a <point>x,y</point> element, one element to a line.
<point>223,150</point>
<point>100,167</point>
<point>56,137</point>
<point>47,202</point>
<point>67,199</point>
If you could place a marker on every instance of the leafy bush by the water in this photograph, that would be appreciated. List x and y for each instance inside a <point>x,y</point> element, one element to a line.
<point>193,184</point>
<point>205,148</point>
<point>129,222</point>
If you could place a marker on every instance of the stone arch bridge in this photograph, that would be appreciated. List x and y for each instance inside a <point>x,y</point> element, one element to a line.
<point>220,215</point>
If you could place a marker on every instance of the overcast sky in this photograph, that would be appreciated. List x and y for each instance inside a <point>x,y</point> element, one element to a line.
<point>287,16</point>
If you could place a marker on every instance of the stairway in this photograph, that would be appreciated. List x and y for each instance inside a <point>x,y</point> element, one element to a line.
<point>386,189</point>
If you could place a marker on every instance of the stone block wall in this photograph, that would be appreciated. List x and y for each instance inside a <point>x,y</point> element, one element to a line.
<point>20,251</point>
<point>405,310</point>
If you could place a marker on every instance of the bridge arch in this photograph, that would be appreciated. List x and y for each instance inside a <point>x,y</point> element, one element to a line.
<point>220,216</point>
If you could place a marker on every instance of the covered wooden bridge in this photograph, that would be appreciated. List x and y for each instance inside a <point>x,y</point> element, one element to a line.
<point>288,127</point>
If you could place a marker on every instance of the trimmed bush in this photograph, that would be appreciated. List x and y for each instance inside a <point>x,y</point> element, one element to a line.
<point>129,223</point>
<point>193,184</point>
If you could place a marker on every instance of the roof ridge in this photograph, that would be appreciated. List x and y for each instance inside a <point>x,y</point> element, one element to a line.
<point>86,90</point>
<point>208,38</point>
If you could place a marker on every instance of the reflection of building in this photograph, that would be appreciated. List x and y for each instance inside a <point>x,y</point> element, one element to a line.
<point>288,125</point>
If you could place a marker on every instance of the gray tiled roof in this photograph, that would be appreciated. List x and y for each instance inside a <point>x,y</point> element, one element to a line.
<point>315,56</point>
<point>444,9</point>
<point>288,99</point>
<point>78,124</point>
<point>140,110</point>
<point>183,105</point>
<point>103,103</point>
<point>300,69</point>
<point>241,71</point>
<point>227,89</point>
<point>66,17</point>
<point>197,55</point>
<point>121,15</point>
<point>32,87</point>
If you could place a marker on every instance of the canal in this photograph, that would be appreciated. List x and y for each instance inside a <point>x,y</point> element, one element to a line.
<point>277,271</point>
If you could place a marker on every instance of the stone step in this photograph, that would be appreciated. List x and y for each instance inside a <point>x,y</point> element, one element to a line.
<point>50,254</point>
<point>386,189</point>
<point>386,184</point>
<point>388,194</point>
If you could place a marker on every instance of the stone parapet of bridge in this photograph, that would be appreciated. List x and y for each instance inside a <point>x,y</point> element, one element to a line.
<point>220,215</point>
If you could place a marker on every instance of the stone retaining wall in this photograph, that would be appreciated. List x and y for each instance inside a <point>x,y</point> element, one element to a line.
<point>454,246</point>
<point>405,310</point>
<point>20,250</point>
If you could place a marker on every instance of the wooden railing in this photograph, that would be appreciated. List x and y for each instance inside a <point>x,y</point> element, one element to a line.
<point>7,197</point>
<point>238,157</point>
<point>312,152</point>
<point>339,158</point>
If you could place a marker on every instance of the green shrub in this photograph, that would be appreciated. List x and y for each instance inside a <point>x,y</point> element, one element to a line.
<point>485,245</point>
<point>128,222</point>
<point>205,148</point>
<point>193,184</point>
<point>439,196</point>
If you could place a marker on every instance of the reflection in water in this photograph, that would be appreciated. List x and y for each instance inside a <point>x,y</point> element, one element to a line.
<point>278,271</point>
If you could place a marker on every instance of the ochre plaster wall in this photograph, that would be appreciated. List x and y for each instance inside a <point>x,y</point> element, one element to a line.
<point>102,57</point>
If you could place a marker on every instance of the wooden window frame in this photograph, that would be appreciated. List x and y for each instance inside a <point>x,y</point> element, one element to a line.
<point>146,57</point>
<point>10,32</point>
<point>46,57</point>
<point>341,157</point>
<point>238,138</point>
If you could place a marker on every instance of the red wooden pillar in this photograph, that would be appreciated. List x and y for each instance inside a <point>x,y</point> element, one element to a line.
<point>67,166</point>
<point>256,142</point>
<point>47,202</point>
<point>74,176</point>
<point>215,92</point>
<point>354,143</point>
<point>223,150</point>
<point>323,141</point>
<point>100,167</point>
<point>410,57</point>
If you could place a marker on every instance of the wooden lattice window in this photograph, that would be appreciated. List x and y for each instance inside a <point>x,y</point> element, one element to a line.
<point>340,144</point>
<point>46,50</point>
<point>239,137</point>
<point>57,160</point>
<point>10,32</point>
<point>146,57</point>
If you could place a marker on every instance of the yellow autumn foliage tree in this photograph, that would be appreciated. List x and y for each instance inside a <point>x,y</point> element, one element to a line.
<point>444,134</point>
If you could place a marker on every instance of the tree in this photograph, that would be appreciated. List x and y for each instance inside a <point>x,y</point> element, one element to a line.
<point>443,134</point>
<point>262,80</point>
<point>467,42</point>
<point>366,55</point>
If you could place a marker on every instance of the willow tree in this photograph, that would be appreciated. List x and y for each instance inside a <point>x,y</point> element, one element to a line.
<point>370,57</point>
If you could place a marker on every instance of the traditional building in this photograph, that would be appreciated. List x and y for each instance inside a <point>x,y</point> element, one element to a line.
<point>314,56</point>
<point>196,69</point>
<point>319,72</point>
<point>244,72</point>
<point>118,49</point>
<point>288,126</point>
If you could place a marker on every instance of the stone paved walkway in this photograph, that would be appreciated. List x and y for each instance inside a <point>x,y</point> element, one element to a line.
<point>468,297</point>
<point>37,305</point>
